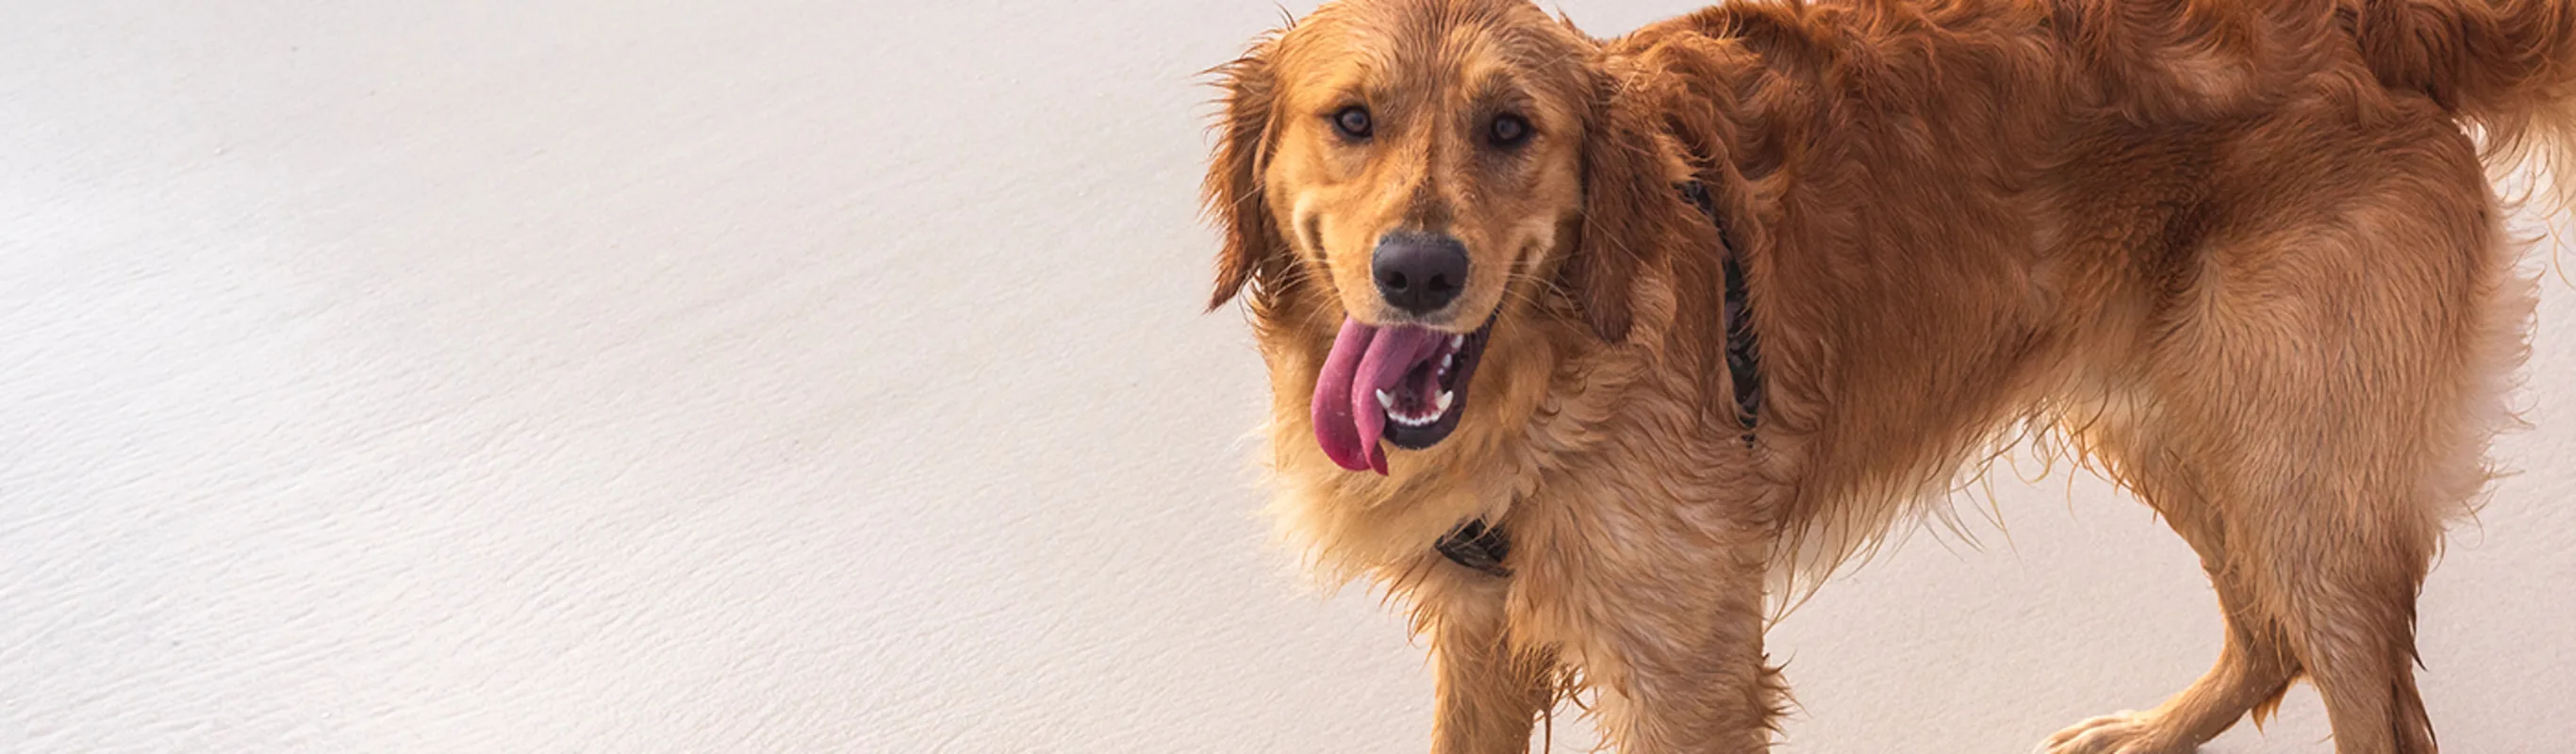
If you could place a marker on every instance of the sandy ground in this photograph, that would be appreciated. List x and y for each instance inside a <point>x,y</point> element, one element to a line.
<point>771,376</point>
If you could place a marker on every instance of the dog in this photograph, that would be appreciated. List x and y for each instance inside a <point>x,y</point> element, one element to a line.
<point>1590,351</point>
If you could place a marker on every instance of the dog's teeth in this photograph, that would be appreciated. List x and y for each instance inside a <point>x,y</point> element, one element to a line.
<point>1448,361</point>
<point>1385,400</point>
<point>1456,341</point>
<point>1446,396</point>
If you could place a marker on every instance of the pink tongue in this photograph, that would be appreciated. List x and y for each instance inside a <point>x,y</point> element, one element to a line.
<point>1348,420</point>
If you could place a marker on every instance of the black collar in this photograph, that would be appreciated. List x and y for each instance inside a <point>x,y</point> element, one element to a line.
<point>1483,548</point>
<point>1476,546</point>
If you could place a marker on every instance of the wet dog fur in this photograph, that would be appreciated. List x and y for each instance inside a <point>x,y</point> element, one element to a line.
<point>2245,258</point>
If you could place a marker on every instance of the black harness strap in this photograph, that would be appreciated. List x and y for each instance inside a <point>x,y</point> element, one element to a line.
<point>1743,353</point>
<point>1483,548</point>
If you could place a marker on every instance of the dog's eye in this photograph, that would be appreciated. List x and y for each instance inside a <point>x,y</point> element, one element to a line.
<point>1508,130</point>
<point>1352,121</point>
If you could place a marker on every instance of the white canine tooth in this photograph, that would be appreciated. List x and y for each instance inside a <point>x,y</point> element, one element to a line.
<point>1457,340</point>
<point>1445,397</point>
<point>1385,400</point>
<point>1448,361</point>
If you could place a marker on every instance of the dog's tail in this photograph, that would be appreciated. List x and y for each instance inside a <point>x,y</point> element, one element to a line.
<point>2507,67</point>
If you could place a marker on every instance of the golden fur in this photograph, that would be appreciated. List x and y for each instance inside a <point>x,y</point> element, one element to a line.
<point>2244,257</point>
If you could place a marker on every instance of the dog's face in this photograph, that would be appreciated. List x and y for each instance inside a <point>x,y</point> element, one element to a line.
<point>1416,172</point>
<point>1417,165</point>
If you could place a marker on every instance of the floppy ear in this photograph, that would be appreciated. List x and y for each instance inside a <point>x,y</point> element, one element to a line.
<point>1232,193</point>
<point>1628,208</point>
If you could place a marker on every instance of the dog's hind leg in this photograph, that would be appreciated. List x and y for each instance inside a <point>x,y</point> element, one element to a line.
<point>2255,665</point>
<point>2329,596</point>
<point>2307,440</point>
<point>2326,394</point>
<point>2310,401</point>
<point>2304,472</point>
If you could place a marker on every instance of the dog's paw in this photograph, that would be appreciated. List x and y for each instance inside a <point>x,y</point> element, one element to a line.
<point>2125,732</point>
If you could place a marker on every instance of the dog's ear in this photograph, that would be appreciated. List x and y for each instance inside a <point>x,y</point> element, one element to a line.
<point>1232,193</point>
<point>1628,203</point>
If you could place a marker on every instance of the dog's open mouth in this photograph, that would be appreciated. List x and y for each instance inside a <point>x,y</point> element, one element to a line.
<point>1401,383</point>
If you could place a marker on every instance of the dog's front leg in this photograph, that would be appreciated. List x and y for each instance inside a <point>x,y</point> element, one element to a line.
<point>1664,625</point>
<point>1491,689</point>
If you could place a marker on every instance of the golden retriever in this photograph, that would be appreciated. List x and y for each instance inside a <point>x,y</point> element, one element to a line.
<point>1575,343</point>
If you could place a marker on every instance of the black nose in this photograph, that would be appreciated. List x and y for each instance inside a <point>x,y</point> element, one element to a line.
<point>1419,272</point>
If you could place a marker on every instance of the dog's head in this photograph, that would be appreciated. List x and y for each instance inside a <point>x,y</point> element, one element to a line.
<point>1416,174</point>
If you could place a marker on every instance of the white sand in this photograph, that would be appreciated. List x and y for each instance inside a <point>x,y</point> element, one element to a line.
<point>767,376</point>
